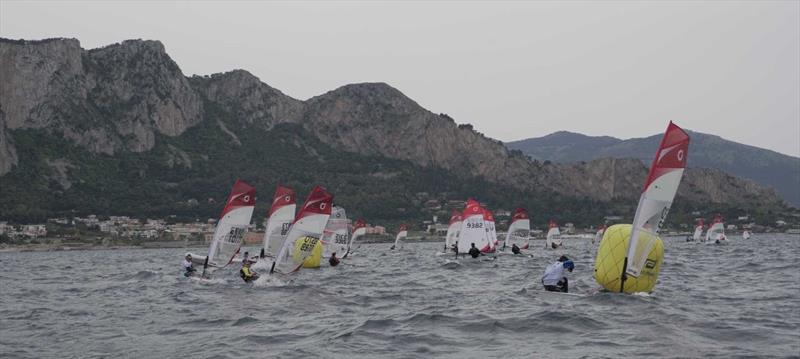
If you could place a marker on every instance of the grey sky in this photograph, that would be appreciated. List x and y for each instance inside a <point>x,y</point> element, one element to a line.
<point>512,69</point>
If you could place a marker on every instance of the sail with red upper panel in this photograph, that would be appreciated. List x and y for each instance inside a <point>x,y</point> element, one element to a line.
<point>717,230</point>
<point>698,230</point>
<point>359,229</point>
<point>659,191</point>
<point>302,247</point>
<point>401,235</point>
<point>232,224</point>
<point>281,216</point>
<point>452,230</point>
<point>519,230</point>
<point>491,232</point>
<point>553,235</point>
<point>599,235</point>
<point>472,228</point>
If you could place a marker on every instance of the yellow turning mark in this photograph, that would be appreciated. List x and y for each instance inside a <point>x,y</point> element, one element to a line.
<point>308,251</point>
<point>611,255</point>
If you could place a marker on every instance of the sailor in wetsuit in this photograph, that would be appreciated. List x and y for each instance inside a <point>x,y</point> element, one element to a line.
<point>247,274</point>
<point>474,251</point>
<point>188,266</point>
<point>333,260</point>
<point>554,278</point>
<point>515,249</point>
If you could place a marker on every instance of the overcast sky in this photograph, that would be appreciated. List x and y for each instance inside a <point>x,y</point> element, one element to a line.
<point>512,69</point>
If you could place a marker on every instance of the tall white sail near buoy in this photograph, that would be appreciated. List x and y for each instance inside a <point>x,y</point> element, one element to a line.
<point>716,233</point>
<point>336,235</point>
<point>452,230</point>
<point>698,230</point>
<point>472,228</point>
<point>302,247</point>
<point>359,229</point>
<point>519,230</point>
<point>232,225</point>
<point>553,236</point>
<point>599,235</point>
<point>281,215</point>
<point>659,191</point>
<point>491,232</point>
<point>401,235</point>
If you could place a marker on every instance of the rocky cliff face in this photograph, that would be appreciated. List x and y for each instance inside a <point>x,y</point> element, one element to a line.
<point>121,97</point>
<point>105,99</point>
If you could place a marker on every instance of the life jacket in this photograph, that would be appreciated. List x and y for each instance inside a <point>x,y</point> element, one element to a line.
<point>245,273</point>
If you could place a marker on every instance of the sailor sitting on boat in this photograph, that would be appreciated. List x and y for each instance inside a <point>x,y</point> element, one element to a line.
<point>554,278</point>
<point>515,249</point>
<point>247,274</point>
<point>188,267</point>
<point>333,261</point>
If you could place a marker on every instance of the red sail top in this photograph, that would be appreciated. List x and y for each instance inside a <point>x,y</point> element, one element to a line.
<point>455,217</point>
<point>671,154</point>
<point>284,196</point>
<point>242,195</point>
<point>519,213</point>
<point>601,227</point>
<point>403,227</point>
<point>717,219</point>
<point>473,208</point>
<point>487,215</point>
<point>700,222</point>
<point>360,224</point>
<point>552,224</point>
<point>318,202</point>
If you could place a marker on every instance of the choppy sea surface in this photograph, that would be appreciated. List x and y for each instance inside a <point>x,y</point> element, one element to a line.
<point>738,300</point>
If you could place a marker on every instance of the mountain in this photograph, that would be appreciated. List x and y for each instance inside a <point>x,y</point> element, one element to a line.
<point>766,167</point>
<point>121,130</point>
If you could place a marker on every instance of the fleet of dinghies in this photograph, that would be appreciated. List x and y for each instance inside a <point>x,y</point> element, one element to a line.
<point>629,257</point>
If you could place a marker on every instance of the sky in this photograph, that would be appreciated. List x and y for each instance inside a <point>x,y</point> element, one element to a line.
<point>512,69</point>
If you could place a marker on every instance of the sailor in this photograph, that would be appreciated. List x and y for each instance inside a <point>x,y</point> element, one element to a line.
<point>474,251</point>
<point>554,278</point>
<point>515,249</point>
<point>187,265</point>
<point>333,260</point>
<point>392,248</point>
<point>246,256</point>
<point>247,274</point>
<point>454,247</point>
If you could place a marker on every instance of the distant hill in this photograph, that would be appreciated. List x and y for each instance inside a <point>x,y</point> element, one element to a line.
<point>120,130</point>
<point>766,167</point>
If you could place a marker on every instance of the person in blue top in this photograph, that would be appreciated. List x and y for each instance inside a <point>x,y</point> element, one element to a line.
<point>554,278</point>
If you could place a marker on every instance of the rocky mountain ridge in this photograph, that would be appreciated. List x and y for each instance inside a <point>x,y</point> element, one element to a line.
<point>131,98</point>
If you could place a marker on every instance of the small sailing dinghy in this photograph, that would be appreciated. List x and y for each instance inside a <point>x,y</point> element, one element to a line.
<point>599,235</point>
<point>452,231</point>
<point>472,229</point>
<point>359,229</point>
<point>746,234</point>
<point>281,216</point>
<point>553,236</point>
<point>697,236</point>
<point>302,247</point>
<point>230,228</point>
<point>401,235</point>
<point>716,233</point>
<point>336,235</point>
<point>519,230</point>
<point>636,249</point>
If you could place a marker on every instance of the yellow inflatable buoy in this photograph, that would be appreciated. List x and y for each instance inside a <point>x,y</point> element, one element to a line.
<point>307,250</point>
<point>611,255</point>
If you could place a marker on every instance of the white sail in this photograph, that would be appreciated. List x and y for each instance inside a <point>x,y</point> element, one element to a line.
<point>698,231</point>
<point>491,232</point>
<point>553,236</point>
<point>305,233</point>
<point>599,235</point>
<point>717,231</point>
<point>472,229</point>
<point>232,225</point>
<point>401,235</point>
<point>745,234</point>
<point>452,230</point>
<point>281,216</point>
<point>336,235</point>
<point>519,230</point>
<point>359,229</point>
<point>659,191</point>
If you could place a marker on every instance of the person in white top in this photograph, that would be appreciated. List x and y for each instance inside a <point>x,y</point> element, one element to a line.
<point>187,265</point>
<point>554,278</point>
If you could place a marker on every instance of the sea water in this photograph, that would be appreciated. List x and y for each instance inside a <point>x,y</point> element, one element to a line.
<point>726,301</point>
